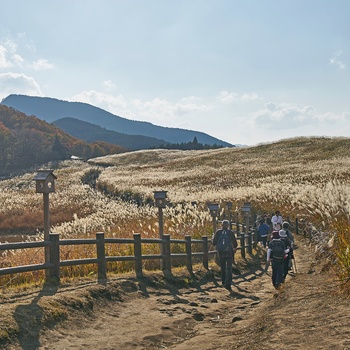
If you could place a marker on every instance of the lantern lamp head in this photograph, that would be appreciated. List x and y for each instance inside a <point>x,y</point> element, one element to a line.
<point>214,208</point>
<point>160,197</point>
<point>246,208</point>
<point>45,181</point>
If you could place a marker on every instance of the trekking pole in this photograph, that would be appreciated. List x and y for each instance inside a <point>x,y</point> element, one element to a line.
<point>295,265</point>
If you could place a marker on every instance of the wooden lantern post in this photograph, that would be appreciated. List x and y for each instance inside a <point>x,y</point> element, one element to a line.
<point>45,184</point>
<point>160,202</point>
<point>214,210</point>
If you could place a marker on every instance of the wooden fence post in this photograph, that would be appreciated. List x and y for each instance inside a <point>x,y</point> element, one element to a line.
<point>166,253</point>
<point>101,256</point>
<point>205,252</point>
<point>243,245</point>
<point>54,258</point>
<point>255,240</point>
<point>138,254</point>
<point>189,254</point>
<point>250,249</point>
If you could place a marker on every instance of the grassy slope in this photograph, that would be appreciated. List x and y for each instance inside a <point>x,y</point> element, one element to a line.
<point>304,177</point>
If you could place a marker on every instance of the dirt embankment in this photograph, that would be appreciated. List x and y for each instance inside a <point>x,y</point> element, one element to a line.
<point>185,312</point>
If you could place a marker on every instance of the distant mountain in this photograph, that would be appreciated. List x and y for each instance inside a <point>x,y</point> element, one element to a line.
<point>27,141</point>
<point>92,133</point>
<point>50,110</point>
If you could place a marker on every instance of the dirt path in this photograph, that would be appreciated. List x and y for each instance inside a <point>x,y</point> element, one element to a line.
<point>155,314</point>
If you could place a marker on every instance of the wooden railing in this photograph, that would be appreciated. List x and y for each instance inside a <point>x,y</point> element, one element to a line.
<point>246,243</point>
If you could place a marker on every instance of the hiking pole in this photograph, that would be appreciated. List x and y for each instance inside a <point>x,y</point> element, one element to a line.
<point>295,264</point>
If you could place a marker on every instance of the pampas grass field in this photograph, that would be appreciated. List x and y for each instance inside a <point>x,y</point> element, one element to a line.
<point>304,178</point>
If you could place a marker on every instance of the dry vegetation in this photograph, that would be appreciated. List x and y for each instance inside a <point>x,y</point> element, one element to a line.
<point>307,178</point>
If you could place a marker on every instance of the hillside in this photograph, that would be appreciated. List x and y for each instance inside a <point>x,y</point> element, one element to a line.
<point>92,133</point>
<point>50,110</point>
<point>27,141</point>
<point>305,178</point>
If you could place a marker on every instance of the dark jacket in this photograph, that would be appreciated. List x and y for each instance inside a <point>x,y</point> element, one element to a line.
<point>232,238</point>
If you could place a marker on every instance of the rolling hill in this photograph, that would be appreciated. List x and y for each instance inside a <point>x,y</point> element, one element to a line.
<point>26,141</point>
<point>92,133</point>
<point>50,110</point>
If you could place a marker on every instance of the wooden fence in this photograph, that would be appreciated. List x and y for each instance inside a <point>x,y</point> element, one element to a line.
<point>52,267</point>
<point>247,240</point>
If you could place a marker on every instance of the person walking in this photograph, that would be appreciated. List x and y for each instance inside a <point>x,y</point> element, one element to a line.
<point>226,245</point>
<point>287,236</point>
<point>275,256</point>
<point>277,221</point>
<point>263,230</point>
<point>286,227</point>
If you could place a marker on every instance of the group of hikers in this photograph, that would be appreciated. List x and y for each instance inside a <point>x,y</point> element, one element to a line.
<point>273,234</point>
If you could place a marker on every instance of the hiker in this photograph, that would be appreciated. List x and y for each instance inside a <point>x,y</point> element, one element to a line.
<point>269,223</point>
<point>226,244</point>
<point>286,227</point>
<point>287,259</point>
<point>277,221</point>
<point>276,252</point>
<point>263,230</point>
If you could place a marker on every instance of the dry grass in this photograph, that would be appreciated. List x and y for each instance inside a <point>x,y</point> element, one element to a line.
<point>307,178</point>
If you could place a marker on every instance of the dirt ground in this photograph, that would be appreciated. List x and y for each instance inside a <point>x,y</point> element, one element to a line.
<point>185,312</point>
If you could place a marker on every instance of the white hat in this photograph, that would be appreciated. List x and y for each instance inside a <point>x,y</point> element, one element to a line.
<point>282,233</point>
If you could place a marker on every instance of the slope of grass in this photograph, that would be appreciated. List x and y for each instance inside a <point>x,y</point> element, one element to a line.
<point>307,178</point>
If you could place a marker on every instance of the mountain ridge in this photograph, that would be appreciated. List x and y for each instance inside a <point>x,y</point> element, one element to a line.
<point>92,133</point>
<point>52,109</point>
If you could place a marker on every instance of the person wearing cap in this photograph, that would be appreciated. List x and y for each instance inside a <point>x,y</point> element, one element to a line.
<point>276,253</point>
<point>286,227</point>
<point>226,244</point>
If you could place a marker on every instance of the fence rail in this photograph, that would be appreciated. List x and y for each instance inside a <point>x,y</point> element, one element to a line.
<point>53,266</point>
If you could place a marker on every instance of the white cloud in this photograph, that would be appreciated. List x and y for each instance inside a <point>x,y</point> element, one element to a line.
<point>335,60</point>
<point>14,83</point>
<point>157,110</point>
<point>288,116</point>
<point>100,99</point>
<point>228,97</point>
<point>10,58</point>
<point>109,85</point>
<point>4,58</point>
<point>42,64</point>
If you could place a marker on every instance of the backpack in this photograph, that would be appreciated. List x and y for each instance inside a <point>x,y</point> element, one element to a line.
<point>278,248</point>
<point>224,243</point>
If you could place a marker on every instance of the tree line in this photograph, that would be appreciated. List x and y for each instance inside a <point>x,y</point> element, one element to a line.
<point>191,145</point>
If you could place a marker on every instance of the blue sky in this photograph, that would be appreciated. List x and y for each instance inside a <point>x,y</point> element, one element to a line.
<point>244,71</point>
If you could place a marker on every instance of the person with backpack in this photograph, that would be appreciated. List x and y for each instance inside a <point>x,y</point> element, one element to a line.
<point>276,253</point>
<point>226,244</point>
<point>289,239</point>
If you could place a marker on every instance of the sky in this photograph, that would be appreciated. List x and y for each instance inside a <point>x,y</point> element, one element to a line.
<point>244,71</point>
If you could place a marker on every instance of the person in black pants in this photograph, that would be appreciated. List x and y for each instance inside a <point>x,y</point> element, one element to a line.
<point>226,244</point>
<point>276,253</point>
<point>287,260</point>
